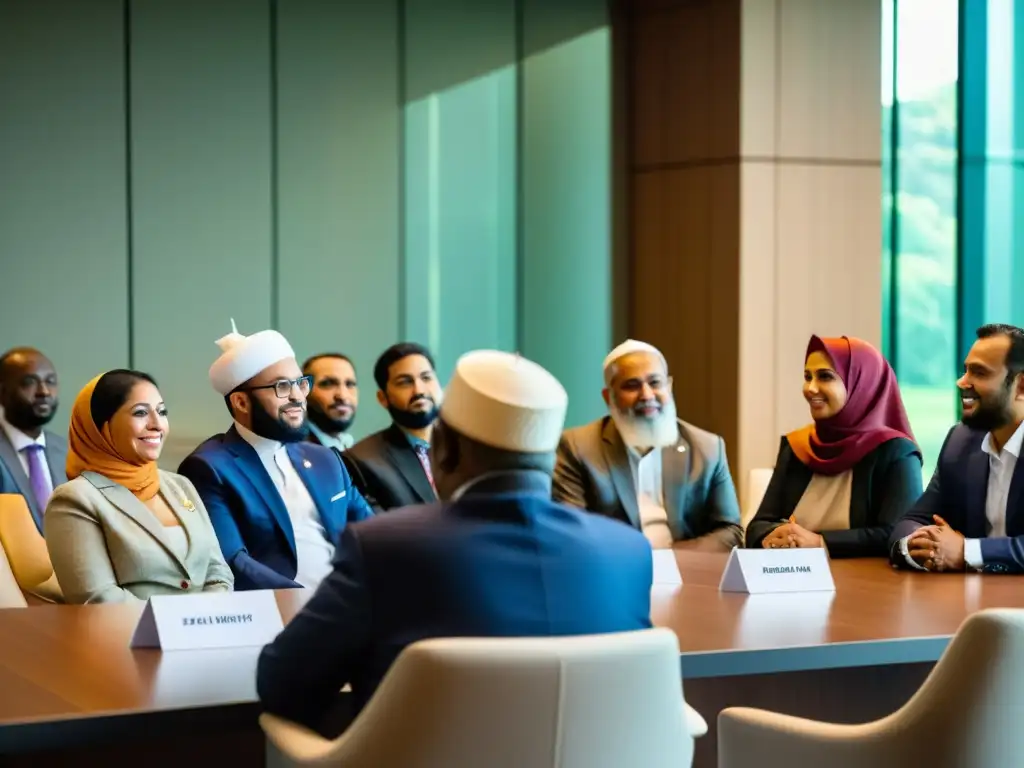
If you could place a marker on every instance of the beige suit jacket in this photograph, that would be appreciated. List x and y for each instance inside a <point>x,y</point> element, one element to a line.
<point>106,546</point>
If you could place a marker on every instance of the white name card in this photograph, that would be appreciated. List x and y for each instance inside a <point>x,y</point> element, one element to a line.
<point>208,620</point>
<point>762,571</point>
<point>666,569</point>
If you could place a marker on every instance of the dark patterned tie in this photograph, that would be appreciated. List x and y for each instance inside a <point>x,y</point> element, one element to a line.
<point>423,454</point>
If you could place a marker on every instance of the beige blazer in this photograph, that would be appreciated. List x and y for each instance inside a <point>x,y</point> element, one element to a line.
<point>107,547</point>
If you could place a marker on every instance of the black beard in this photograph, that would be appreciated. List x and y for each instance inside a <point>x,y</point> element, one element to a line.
<point>265,425</point>
<point>23,416</point>
<point>991,414</point>
<point>413,419</point>
<point>326,423</point>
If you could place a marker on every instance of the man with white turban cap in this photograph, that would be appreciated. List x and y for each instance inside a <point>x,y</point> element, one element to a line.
<point>277,503</point>
<point>496,557</point>
<point>644,466</point>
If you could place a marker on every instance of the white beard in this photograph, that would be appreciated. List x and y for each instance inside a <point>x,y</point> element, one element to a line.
<point>659,431</point>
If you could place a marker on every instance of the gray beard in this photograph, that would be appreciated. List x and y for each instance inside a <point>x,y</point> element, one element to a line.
<point>660,431</point>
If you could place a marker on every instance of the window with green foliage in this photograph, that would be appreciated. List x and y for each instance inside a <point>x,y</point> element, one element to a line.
<point>920,197</point>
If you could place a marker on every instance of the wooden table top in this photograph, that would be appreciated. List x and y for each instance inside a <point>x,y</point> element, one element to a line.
<point>877,615</point>
<point>61,663</point>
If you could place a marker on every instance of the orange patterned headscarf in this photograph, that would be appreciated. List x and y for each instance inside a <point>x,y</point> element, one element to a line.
<point>93,450</point>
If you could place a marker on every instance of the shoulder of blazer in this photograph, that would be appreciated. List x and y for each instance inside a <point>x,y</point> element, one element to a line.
<point>579,439</point>
<point>708,443</point>
<point>369,447</point>
<point>81,491</point>
<point>893,450</point>
<point>58,442</point>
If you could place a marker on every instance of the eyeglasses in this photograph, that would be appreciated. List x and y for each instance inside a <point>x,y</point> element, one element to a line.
<point>283,388</point>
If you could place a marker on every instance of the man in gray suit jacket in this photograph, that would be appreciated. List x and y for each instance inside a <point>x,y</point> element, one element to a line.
<point>643,466</point>
<point>33,459</point>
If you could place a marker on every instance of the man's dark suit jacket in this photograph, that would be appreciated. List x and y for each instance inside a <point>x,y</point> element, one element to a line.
<point>593,473</point>
<point>886,483</point>
<point>387,471</point>
<point>251,520</point>
<point>15,480</point>
<point>957,493</point>
<point>502,561</point>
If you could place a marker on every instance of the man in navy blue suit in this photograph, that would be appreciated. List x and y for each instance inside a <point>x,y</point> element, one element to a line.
<point>496,557</point>
<point>971,516</point>
<point>277,503</point>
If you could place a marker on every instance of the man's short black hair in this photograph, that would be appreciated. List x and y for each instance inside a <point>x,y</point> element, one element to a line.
<point>392,355</point>
<point>1015,355</point>
<point>321,356</point>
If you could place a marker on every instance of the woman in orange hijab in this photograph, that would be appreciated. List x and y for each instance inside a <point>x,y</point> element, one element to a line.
<point>120,529</point>
<point>844,480</point>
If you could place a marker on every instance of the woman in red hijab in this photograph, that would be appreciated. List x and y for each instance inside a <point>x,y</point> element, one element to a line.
<point>844,480</point>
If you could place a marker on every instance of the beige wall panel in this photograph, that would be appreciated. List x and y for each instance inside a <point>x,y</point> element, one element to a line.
<point>829,79</point>
<point>828,275</point>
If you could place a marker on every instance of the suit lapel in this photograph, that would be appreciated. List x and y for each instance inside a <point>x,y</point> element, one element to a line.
<point>403,456</point>
<point>252,468</point>
<point>977,469</point>
<point>127,502</point>
<point>56,459</point>
<point>676,461</point>
<point>307,469</point>
<point>621,472</point>
<point>10,458</point>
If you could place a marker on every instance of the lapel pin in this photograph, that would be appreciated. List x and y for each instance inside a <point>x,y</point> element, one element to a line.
<point>307,463</point>
<point>681,449</point>
<point>187,504</point>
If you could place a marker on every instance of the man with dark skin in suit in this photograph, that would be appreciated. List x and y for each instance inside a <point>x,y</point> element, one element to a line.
<point>29,390</point>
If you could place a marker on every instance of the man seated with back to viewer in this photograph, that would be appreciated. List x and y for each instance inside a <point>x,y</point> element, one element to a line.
<point>32,458</point>
<point>277,502</point>
<point>971,515</point>
<point>333,399</point>
<point>643,466</point>
<point>391,467</point>
<point>496,558</point>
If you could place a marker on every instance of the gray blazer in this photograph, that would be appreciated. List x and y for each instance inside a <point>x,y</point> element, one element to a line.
<point>593,472</point>
<point>14,480</point>
<point>107,547</point>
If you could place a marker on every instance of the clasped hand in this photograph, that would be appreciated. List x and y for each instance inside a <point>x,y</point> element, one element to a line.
<point>792,535</point>
<point>937,547</point>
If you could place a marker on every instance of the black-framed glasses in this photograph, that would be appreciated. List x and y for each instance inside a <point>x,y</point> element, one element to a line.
<point>283,388</point>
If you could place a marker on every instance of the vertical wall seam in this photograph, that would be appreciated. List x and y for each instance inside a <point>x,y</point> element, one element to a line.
<point>520,249</point>
<point>275,256</point>
<point>402,95</point>
<point>129,191</point>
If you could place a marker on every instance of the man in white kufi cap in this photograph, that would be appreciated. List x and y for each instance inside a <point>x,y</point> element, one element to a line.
<point>495,557</point>
<point>277,503</point>
<point>644,466</point>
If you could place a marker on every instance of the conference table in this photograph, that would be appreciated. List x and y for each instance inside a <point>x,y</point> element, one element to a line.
<point>71,689</point>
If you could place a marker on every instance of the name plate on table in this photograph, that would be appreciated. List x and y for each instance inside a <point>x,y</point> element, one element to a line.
<point>211,620</point>
<point>763,571</point>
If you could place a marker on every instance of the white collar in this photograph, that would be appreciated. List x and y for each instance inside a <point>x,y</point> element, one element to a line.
<point>19,440</point>
<point>1013,445</point>
<point>264,446</point>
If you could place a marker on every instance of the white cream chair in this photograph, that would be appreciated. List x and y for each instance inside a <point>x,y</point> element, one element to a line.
<point>10,593</point>
<point>573,702</point>
<point>967,714</point>
<point>757,484</point>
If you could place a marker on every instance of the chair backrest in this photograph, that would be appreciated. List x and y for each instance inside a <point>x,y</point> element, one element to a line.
<point>569,702</point>
<point>25,546</point>
<point>969,708</point>
<point>11,595</point>
<point>757,484</point>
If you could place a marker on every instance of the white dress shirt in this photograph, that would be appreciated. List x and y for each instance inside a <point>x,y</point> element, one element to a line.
<point>313,550</point>
<point>1000,475</point>
<point>20,441</point>
<point>650,497</point>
